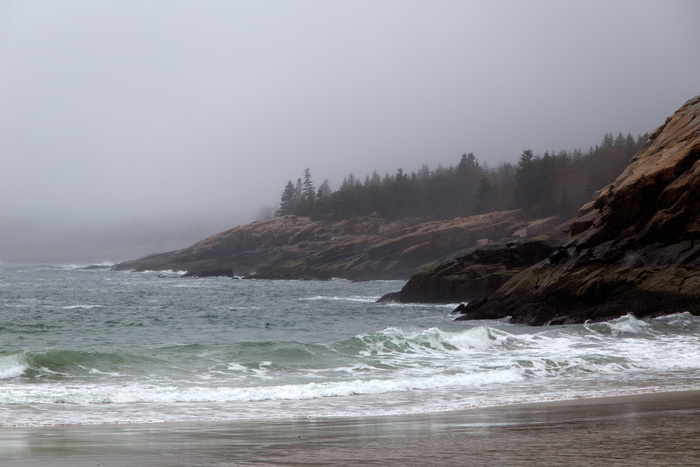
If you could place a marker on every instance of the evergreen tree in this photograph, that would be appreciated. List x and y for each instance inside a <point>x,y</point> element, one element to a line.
<point>298,190</point>
<point>307,196</point>
<point>265,212</point>
<point>484,196</point>
<point>565,208</point>
<point>324,190</point>
<point>309,192</point>
<point>288,200</point>
<point>525,192</point>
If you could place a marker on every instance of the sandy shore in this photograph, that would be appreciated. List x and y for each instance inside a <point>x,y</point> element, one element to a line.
<point>651,430</point>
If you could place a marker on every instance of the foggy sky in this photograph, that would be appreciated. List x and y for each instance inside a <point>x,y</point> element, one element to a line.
<point>129,127</point>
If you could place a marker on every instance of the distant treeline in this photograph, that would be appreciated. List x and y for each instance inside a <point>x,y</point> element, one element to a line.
<point>541,185</point>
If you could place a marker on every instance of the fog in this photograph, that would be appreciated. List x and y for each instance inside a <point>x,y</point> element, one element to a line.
<point>130,127</point>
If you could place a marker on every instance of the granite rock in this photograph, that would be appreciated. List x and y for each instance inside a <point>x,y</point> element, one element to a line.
<point>358,249</point>
<point>635,248</point>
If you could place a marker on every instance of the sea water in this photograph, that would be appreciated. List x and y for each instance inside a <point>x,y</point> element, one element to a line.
<point>93,346</point>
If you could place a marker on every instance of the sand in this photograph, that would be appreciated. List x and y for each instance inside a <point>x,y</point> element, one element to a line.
<point>644,430</point>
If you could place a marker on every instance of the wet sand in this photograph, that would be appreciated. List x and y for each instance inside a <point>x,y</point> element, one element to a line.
<point>661,429</point>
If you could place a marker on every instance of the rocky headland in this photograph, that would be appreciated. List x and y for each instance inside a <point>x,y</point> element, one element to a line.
<point>635,248</point>
<point>364,248</point>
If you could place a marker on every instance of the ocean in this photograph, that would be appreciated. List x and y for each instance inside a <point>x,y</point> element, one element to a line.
<point>95,346</point>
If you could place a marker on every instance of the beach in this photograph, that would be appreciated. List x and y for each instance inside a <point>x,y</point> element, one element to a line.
<point>649,429</point>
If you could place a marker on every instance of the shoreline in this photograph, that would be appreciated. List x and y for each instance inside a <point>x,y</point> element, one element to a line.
<point>657,428</point>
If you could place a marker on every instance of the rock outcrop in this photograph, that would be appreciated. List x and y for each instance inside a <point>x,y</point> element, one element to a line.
<point>634,249</point>
<point>358,249</point>
<point>474,276</point>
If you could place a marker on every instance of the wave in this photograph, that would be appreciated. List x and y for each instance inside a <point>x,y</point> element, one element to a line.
<point>12,365</point>
<point>135,393</point>
<point>341,299</point>
<point>164,273</point>
<point>627,324</point>
<point>68,364</point>
<point>72,267</point>
<point>397,340</point>
<point>393,360</point>
<point>624,343</point>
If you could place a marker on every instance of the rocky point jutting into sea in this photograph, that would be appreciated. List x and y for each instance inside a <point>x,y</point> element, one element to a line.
<point>366,248</point>
<point>635,248</point>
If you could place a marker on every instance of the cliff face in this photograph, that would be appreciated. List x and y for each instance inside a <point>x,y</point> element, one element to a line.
<point>360,249</point>
<point>634,249</point>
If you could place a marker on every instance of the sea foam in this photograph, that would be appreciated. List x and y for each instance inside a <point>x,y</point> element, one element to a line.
<point>12,365</point>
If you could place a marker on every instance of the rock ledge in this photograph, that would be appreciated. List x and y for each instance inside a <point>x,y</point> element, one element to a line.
<point>358,249</point>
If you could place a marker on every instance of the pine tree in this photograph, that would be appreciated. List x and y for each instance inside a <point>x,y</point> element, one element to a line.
<point>524,177</point>
<point>565,208</point>
<point>288,200</point>
<point>324,190</point>
<point>309,192</point>
<point>484,196</point>
<point>298,190</point>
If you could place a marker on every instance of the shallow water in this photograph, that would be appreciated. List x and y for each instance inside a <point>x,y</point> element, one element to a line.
<point>98,346</point>
<point>653,430</point>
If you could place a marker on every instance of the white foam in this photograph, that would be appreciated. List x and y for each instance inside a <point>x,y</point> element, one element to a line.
<point>168,272</point>
<point>62,393</point>
<point>480,337</point>
<point>12,366</point>
<point>342,299</point>
<point>627,324</point>
<point>435,339</point>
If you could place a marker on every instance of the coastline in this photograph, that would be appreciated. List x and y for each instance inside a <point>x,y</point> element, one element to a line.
<point>647,429</point>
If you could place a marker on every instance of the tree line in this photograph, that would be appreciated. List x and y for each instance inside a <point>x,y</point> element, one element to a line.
<point>555,183</point>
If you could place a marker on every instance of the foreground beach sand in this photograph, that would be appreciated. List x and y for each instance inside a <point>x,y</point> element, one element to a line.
<point>652,430</point>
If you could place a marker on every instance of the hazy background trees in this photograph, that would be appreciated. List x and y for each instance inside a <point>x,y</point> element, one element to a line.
<point>555,183</point>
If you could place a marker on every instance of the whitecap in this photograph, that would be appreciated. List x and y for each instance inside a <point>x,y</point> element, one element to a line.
<point>627,324</point>
<point>84,307</point>
<point>12,365</point>
<point>340,299</point>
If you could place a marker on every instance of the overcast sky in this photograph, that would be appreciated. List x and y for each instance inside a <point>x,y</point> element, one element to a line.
<point>134,125</point>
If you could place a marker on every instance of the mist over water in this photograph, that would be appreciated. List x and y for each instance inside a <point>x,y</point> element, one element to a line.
<point>98,346</point>
<point>93,242</point>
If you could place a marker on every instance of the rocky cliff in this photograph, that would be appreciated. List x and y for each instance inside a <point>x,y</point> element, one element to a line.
<point>635,248</point>
<point>360,249</point>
